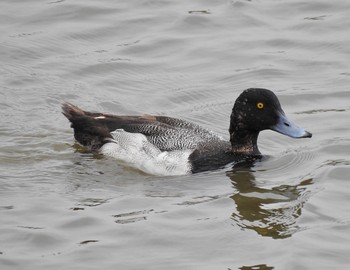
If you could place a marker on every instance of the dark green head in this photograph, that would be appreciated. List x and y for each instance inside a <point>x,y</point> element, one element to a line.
<point>257,109</point>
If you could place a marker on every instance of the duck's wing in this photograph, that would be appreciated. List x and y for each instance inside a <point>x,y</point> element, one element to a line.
<point>166,133</point>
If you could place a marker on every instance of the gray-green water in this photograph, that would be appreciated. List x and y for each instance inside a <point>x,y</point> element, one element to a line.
<point>62,208</point>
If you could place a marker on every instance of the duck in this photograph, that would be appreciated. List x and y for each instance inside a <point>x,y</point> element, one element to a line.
<point>163,145</point>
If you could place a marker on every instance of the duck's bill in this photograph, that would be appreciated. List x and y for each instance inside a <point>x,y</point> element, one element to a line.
<point>287,127</point>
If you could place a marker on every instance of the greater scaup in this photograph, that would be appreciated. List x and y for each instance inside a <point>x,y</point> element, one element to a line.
<point>164,145</point>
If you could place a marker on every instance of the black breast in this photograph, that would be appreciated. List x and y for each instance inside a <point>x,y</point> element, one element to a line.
<point>212,156</point>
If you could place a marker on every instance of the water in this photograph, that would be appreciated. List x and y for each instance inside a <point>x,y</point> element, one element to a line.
<point>62,207</point>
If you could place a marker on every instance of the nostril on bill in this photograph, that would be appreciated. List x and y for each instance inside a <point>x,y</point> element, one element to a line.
<point>286,124</point>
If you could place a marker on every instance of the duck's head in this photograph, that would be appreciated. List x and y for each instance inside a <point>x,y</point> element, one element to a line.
<point>255,110</point>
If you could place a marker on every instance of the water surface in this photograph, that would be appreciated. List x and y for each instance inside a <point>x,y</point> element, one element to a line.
<point>62,207</point>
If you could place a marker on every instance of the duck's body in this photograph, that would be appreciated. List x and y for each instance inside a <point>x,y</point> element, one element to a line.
<point>166,146</point>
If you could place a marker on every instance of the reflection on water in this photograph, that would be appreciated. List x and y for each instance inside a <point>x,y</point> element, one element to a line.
<point>270,212</point>
<point>257,267</point>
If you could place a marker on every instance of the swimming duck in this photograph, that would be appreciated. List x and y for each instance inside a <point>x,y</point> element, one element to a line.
<point>163,145</point>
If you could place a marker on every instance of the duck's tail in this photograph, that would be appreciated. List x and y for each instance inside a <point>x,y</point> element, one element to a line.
<point>70,111</point>
<point>87,131</point>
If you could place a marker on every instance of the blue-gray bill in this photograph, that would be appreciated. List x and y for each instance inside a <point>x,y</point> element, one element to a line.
<point>287,127</point>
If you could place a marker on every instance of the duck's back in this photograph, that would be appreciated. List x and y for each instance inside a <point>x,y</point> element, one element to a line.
<point>166,133</point>
<point>169,133</point>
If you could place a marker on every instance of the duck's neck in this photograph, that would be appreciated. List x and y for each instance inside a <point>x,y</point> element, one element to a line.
<point>243,141</point>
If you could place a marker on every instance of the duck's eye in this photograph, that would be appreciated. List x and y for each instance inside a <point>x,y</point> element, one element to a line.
<point>260,105</point>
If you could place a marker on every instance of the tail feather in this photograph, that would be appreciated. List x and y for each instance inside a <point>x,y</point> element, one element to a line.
<point>69,110</point>
<point>87,131</point>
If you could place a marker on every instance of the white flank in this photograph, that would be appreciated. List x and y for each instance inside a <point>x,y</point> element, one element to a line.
<point>136,151</point>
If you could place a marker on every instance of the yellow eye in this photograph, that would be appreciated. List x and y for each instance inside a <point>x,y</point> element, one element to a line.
<point>260,105</point>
